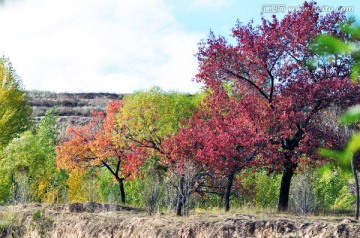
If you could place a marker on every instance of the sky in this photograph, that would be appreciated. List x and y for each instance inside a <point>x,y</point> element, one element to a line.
<point>121,46</point>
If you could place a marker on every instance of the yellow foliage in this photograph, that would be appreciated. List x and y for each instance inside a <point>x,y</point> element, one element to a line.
<point>76,192</point>
<point>51,196</point>
<point>14,111</point>
<point>40,191</point>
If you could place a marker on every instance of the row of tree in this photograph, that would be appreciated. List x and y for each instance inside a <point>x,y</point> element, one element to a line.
<point>265,105</point>
<point>269,102</point>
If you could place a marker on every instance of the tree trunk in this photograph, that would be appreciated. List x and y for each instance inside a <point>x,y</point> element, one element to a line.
<point>353,167</point>
<point>180,194</point>
<point>122,191</point>
<point>285,189</point>
<point>227,194</point>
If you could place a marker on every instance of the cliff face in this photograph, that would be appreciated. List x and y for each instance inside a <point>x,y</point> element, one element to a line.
<point>72,108</point>
<point>96,220</point>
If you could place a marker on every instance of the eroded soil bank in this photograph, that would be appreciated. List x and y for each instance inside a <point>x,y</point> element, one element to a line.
<point>96,220</point>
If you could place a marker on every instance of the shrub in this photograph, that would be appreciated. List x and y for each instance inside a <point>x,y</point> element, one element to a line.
<point>152,194</point>
<point>302,195</point>
<point>152,186</point>
<point>267,189</point>
<point>261,188</point>
<point>109,189</point>
<point>329,187</point>
<point>9,224</point>
<point>41,223</point>
<point>345,200</point>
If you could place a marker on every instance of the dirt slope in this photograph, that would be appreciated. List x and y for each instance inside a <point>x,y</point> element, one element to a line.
<point>96,220</point>
<point>72,108</point>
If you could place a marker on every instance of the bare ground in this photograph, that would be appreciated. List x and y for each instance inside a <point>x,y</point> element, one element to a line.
<point>97,220</point>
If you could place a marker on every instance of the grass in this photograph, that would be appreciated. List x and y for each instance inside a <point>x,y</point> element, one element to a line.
<point>272,213</point>
<point>45,217</point>
<point>9,224</point>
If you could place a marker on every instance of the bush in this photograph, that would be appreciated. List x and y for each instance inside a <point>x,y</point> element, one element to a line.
<point>302,195</point>
<point>267,190</point>
<point>9,224</point>
<point>261,188</point>
<point>37,215</point>
<point>329,187</point>
<point>152,194</point>
<point>152,186</point>
<point>344,201</point>
<point>109,188</point>
<point>41,223</point>
<point>5,188</point>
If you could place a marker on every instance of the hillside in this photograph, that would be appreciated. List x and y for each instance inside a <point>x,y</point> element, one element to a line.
<point>72,108</point>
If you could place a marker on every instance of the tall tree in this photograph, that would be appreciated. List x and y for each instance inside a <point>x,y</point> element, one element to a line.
<point>148,117</point>
<point>28,164</point>
<point>221,139</point>
<point>271,61</point>
<point>15,113</point>
<point>98,143</point>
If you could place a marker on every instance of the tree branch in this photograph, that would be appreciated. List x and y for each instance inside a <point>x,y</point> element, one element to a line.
<point>250,82</point>
<point>271,86</point>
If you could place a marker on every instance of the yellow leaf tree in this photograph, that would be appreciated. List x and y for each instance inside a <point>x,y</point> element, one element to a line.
<point>14,111</point>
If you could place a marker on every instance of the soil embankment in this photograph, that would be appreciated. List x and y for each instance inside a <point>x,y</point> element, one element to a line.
<point>96,220</point>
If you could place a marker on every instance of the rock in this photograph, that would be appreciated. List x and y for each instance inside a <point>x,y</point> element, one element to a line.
<point>76,207</point>
<point>92,206</point>
<point>348,220</point>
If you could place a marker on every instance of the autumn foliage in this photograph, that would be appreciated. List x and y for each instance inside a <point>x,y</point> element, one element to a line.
<point>98,143</point>
<point>267,92</point>
<point>267,105</point>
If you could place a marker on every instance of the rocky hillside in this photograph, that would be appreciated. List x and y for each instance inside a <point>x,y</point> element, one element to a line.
<point>103,220</point>
<point>72,108</point>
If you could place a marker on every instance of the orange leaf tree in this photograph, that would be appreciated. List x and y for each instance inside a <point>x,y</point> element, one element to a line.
<point>98,144</point>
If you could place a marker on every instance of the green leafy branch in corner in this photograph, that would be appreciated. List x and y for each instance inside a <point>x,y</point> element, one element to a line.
<point>346,158</point>
<point>332,47</point>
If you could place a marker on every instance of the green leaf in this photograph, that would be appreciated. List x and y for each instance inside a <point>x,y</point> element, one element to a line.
<point>326,168</point>
<point>332,154</point>
<point>351,116</point>
<point>340,158</point>
<point>332,45</point>
<point>354,72</point>
<point>353,30</point>
<point>353,145</point>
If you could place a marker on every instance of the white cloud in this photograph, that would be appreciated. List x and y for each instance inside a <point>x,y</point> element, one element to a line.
<point>97,45</point>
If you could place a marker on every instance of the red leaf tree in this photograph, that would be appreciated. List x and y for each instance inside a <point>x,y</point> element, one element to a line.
<point>272,62</point>
<point>221,139</point>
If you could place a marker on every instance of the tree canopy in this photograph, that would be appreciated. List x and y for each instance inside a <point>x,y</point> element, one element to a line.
<point>15,113</point>
<point>268,73</point>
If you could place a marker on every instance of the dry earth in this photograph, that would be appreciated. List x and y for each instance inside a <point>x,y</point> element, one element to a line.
<point>96,220</point>
<point>72,108</point>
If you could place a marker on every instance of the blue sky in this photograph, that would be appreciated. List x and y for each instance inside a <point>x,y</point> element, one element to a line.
<point>119,45</point>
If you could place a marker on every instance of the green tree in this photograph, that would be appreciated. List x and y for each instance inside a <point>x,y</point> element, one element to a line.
<point>148,117</point>
<point>14,111</point>
<point>329,185</point>
<point>29,165</point>
<point>151,115</point>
